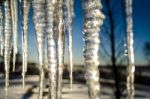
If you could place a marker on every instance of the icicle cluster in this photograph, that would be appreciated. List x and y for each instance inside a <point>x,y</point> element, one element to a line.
<point>131,66</point>
<point>51,48</point>
<point>59,39</point>
<point>39,22</point>
<point>93,19</point>
<point>1,30</point>
<point>14,15</point>
<point>68,14</point>
<point>25,6</point>
<point>7,47</point>
<point>52,19</point>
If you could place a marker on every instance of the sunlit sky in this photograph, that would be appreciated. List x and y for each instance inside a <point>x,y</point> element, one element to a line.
<point>141,21</point>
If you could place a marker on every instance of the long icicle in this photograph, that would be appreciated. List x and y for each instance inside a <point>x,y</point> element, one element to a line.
<point>7,31</point>
<point>25,6</point>
<point>130,49</point>
<point>51,49</point>
<point>68,14</point>
<point>93,19</point>
<point>39,22</point>
<point>58,37</point>
<point>14,12</point>
<point>1,29</point>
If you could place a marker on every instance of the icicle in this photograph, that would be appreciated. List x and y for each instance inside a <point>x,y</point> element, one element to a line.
<point>39,22</point>
<point>93,19</point>
<point>51,48</point>
<point>14,12</point>
<point>63,44</point>
<point>1,30</point>
<point>58,37</point>
<point>131,66</point>
<point>45,55</point>
<point>68,14</point>
<point>7,31</point>
<point>25,6</point>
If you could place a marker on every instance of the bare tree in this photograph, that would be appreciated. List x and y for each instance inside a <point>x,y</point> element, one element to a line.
<point>146,50</point>
<point>113,35</point>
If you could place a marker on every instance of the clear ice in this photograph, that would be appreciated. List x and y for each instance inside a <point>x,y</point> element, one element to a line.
<point>14,15</point>
<point>40,26</point>
<point>51,48</point>
<point>25,6</point>
<point>93,19</point>
<point>130,51</point>
<point>68,14</point>
<point>1,30</point>
<point>59,40</point>
<point>7,45</point>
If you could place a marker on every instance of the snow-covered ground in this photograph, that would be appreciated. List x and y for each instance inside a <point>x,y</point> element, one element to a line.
<point>31,91</point>
<point>79,91</point>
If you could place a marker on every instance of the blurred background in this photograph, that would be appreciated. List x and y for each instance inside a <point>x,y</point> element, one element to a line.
<point>112,55</point>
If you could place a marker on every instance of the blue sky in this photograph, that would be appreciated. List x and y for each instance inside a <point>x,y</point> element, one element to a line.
<point>141,21</point>
<point>141,17</point>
